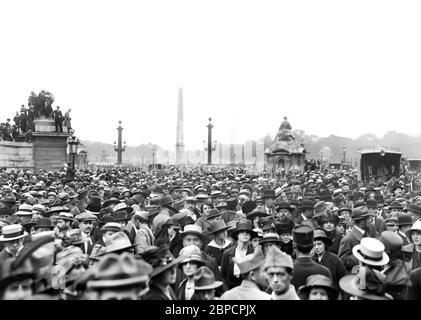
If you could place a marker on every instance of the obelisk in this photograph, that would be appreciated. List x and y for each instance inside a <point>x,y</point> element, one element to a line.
<point>179,145</point>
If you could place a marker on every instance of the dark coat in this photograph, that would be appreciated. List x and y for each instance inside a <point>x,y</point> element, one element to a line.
<point>415,291</point>
<point>380,225</point>
<point>345,248</point>
<point>228,216</point>
<point>335,266</point>
<point>216,252</point>
<point>404,238</point>
<point>4,255</point>
<point>336,241</point>
<point>305,267</point>
<point>155,293</point>
<point>227,267</point>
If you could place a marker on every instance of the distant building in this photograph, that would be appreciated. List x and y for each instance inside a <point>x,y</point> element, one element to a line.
<point>286,153</point>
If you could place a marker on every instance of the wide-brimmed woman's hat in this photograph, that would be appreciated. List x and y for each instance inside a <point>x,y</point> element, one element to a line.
<point>415,226</point>
<point>371,251</point>
<point>118,242</point>
<point>189,254</point>
<point>218,226</point>
<point>256,213</point>
<point>12,232</point>
<point>367,284</point>
<point>319,281</point>
<point>193,229</point>
<point>160,258</point>
<point>321,235</point>
<point>122,270</point>
<point>270,238</point>
<point>204,279</point>
<point>243,226</point>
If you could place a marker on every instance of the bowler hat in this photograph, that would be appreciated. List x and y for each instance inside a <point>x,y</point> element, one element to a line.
<point>404,220</point>
<point>303,236</point>
<point>241,226</point>
<point>204,279</point>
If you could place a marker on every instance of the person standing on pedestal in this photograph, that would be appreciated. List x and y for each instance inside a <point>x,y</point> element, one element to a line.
<point>31,118</point>
<point>58,118</point>
<point>22,120</point>
<point>67,119</point>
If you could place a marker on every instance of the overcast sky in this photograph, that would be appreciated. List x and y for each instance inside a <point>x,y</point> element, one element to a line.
<point>333,67</point>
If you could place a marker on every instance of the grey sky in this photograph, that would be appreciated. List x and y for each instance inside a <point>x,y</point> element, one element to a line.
<point>333,67</point>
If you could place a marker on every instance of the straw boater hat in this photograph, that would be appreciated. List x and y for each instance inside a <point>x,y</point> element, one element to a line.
<point>12,232</point>
<point>319,281</point>
<point>367,284</point>
<point>371,251</point>
<point>204,279</point>
<point>24,210</point>
<point>122,270</point>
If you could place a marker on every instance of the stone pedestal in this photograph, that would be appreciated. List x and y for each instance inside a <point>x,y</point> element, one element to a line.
<point>45,125</point>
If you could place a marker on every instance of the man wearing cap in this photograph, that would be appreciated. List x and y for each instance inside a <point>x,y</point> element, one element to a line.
<point>328,259</point>
<point>254,281</point>
<point>278,267</point>
<point>86,223</point>
<point>304,266</point>
<point>361,218</point>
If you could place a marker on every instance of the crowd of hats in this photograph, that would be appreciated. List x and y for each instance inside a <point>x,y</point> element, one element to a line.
<point>32,203</point>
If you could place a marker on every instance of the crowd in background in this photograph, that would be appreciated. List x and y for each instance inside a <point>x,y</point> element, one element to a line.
<point>201,234</point>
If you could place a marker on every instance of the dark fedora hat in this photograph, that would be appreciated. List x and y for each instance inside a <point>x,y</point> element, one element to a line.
<point>371,204</point>
<point>360,213</point>
<point>111,200</point>
<point>268,194</point>
<point>44,223</point>
<point>213,213</point>
<point>218,226</point>
<point>241,226</point>
<point>284,205</point>
<point>204,279</point>
<point>94,204</point>
<point>248,206</point>
<point>414,208</point>
<point>307,204</point>
<point>321,235</point>
<point>325,195</point>
<point>330,218</point>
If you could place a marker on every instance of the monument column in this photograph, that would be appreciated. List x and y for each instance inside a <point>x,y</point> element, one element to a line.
<point>120,148</point>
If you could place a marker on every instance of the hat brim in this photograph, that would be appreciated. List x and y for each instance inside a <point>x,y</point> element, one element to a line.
<point>349,285</point>
<point>161,269</point>
<point>252,215</point>
<point>119,249</point>
<point>215,285</point>
<point>328,242</point>
<point>108,202</point>
<point>263,241</point>
<point>116,282</point>
<point>385,258</point>
<point>219,230</point>
<point>235,232</point>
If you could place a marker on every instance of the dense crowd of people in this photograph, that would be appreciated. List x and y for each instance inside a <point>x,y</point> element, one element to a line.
<point>204,234</point>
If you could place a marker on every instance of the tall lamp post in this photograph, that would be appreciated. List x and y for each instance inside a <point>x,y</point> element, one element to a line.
<point>210,147</point>
<point>344,152</point>
<point>73,143</point>
<point>119,148</point>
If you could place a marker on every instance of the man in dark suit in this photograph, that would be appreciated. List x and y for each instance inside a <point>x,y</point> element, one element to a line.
<point>328,259</point>
<point>304,266</point>
<point>415,290</point>
<point>86,223</point>
<point>58,119</point>
<point>361,217</point>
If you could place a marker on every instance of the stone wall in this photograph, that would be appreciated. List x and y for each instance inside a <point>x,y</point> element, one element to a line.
<point>16,155</point>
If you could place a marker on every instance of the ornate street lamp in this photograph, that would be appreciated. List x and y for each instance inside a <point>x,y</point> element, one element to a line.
<point>153,157</point>
<point>73,143</point>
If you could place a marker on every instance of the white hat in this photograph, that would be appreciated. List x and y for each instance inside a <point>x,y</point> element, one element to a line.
<point>24,210</point>
<point>12,232</point>
<point>371,252</point>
